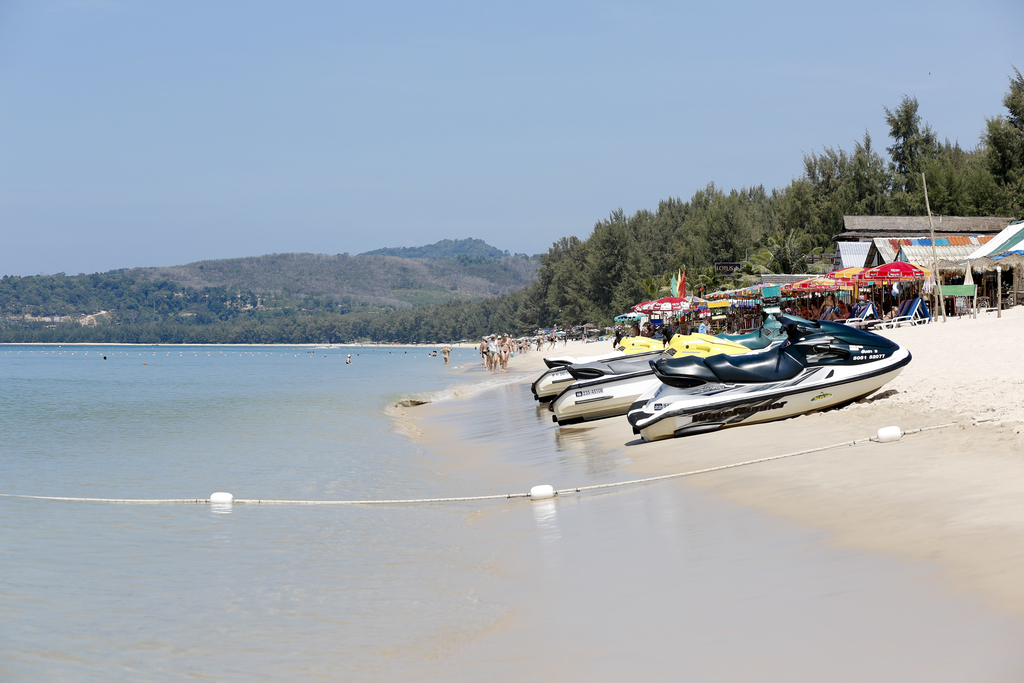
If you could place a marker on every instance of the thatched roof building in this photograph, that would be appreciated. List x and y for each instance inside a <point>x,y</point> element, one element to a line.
<point>866,228</point>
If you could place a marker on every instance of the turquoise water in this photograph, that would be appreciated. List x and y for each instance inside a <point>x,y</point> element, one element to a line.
<point>100,592</point>
<point>661,581</point>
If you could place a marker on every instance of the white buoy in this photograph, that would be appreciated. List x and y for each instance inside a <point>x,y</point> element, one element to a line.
<point>542,492</point>
<point>889,434</point>
<point>221,498</point>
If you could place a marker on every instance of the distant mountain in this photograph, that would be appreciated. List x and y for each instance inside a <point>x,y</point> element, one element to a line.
<point>262,283</point>
<point>444,249</point>
<point>379,280</point>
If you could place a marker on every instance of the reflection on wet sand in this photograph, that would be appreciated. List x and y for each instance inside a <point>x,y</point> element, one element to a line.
<point>669,581</point>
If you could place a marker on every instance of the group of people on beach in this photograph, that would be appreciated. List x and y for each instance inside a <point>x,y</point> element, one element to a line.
<point>495,352</point>
<point>817,308</point>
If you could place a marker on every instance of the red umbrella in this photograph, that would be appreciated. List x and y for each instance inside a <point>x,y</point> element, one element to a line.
<point>897,271</point>
<point>667,305</point>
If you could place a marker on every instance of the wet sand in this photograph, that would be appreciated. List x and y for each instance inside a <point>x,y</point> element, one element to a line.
<point>923,534</point>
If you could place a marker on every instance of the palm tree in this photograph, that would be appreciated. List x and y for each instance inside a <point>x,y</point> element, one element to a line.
<point>784,252</point>
<point>655,285</point>
<point>707,278</point>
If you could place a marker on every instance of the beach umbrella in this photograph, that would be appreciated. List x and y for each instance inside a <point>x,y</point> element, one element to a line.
<point>643,307</point>
<point>846,276</point>
<point>897,271</point>
<point>814,284</point>
<point>666,305</point>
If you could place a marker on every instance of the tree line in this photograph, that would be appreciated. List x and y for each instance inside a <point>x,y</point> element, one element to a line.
<point>593,279</point>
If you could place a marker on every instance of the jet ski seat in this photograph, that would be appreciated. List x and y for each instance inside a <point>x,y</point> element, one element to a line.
<point>754,341</point>
<point>623,366</point>
<point>754,368</point>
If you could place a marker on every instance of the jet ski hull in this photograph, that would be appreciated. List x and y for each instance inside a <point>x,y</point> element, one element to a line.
<point>607,396</point>
<point>600,398</point>
<point>553,380</point>
<point>666,411</point>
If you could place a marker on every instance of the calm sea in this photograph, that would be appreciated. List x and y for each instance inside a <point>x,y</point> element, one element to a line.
<point>661,581</point>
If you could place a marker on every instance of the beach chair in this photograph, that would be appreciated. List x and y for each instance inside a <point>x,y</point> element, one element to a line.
<point>866,315</point>
<point>855,311</point>
<point>912,312</point>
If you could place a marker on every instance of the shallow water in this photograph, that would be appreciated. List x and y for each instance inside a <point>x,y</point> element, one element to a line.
<point>662,581</point>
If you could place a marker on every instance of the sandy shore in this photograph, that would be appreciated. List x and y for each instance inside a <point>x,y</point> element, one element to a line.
<point>950,496</point>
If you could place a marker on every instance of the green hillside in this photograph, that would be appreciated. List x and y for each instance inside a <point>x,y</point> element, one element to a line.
<point>445,249</point>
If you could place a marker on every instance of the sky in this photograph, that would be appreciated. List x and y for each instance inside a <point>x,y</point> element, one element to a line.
<point>160,133</point>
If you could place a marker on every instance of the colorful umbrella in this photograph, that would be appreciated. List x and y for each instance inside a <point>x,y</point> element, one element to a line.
<point>897,271</point>
<point>845,275</point>
<point>814,284</point>
<point>669,304</point>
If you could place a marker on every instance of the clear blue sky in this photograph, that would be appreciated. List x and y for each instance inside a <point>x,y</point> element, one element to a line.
<point>160,133</point>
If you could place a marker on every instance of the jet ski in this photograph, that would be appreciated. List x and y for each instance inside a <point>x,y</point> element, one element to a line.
<point>627,346</point>
<point>609,388</point>
<point>819,365</point>
<point>556,378</point>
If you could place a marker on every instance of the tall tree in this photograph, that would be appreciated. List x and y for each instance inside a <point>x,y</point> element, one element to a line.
<point>911,142</point>
<point>1004,142</point>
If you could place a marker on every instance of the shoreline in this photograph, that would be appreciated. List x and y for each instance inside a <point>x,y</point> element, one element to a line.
<point>411,345</point>
<point>949,497</point>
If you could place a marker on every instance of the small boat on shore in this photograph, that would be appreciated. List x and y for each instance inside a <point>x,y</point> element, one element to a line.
<point>820,365</point>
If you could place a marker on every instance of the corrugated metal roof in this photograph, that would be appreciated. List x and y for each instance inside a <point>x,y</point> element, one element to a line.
<point>921,255</point>
<point>1004,241</point>
<point>887,249</point>
<point>853,254</point>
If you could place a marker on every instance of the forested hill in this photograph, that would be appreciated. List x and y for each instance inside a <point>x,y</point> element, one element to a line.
<point>445,249</point>
<point>273,298</point>
<point>378,280</point>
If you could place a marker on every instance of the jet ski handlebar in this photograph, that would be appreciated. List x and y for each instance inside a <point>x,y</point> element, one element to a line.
<point>797,328</point>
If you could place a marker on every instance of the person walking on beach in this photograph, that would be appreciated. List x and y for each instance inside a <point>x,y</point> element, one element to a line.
<point>505,352</point>
<point>492,353</point>
<point>483,352</point>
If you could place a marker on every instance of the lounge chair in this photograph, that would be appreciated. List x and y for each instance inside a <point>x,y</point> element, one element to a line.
<point>912,312</point>
<point>863,315</point>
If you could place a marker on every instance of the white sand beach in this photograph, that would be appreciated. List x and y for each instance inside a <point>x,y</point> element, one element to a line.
<point>949,496</point>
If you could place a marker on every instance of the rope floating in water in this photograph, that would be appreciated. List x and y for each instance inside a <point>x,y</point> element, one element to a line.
<point>461,499</point>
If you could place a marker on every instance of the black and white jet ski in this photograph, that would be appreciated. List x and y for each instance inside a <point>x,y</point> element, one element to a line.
<point>820,365</point>
<point>609,388</point>
<point>556,378</point>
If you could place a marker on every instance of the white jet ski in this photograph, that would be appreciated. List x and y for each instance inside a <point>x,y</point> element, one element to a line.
<point>609,388</point>
<point>555,378</point>
<point>821,365</point>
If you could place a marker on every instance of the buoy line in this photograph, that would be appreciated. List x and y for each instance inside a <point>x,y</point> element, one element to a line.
<point>884,435</point>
